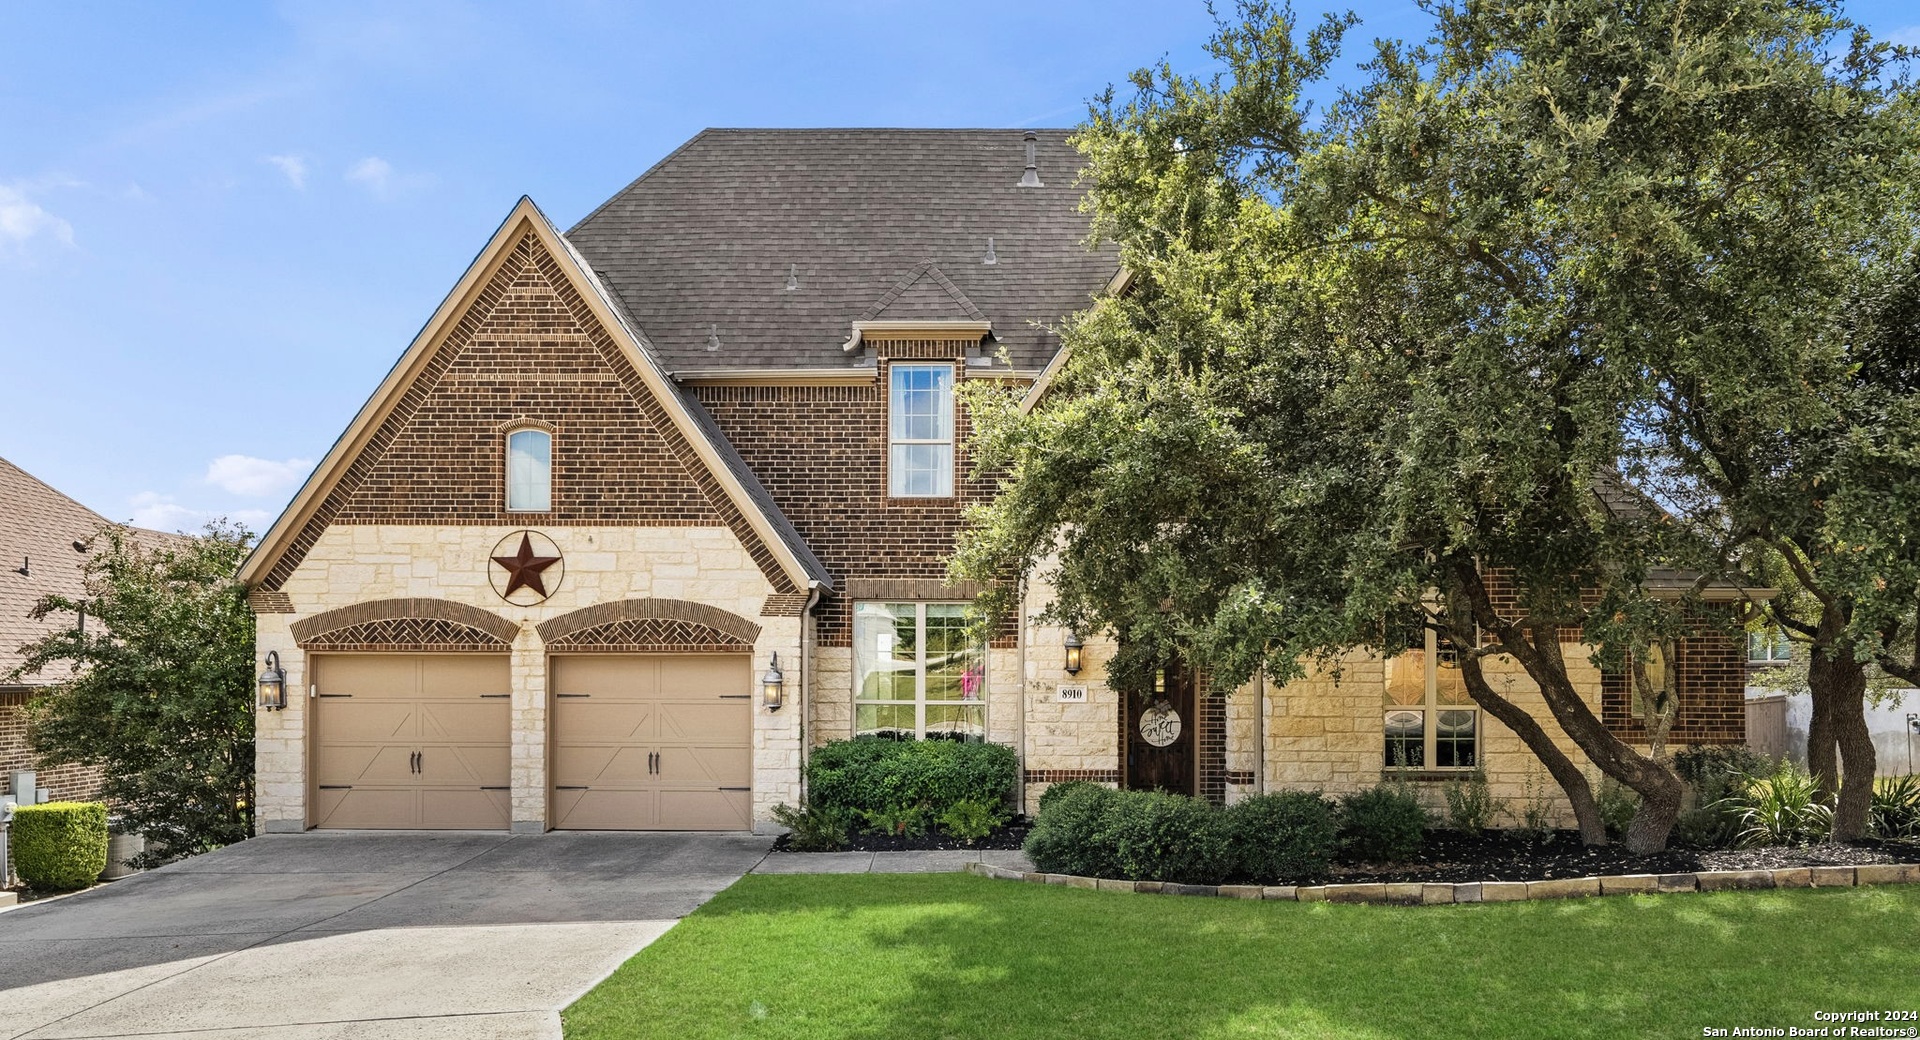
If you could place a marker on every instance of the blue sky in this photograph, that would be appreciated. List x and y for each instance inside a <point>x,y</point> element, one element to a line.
<point>220,223</point>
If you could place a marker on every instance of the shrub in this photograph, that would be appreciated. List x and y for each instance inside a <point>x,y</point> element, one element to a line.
<point>1382,824</point>
<point>1895,812</point>
<point>1471,806</point>
<point>1287,836</point>
<point>814,830</point>
<point>1714,771</point>
<point>971,820</point>
<point>1156,836</point>
<point>1055,792</point>
<point>1537,814</point>
<point>1783,809</point>
<point>905,782</point>
<point>1066,834</point>
<point>1617,803</point>
<point>60,845</point>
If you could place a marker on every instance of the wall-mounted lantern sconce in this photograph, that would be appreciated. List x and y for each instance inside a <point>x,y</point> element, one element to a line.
<point>1073,652</point>
<point>773,691</point>
<point>273,684</point>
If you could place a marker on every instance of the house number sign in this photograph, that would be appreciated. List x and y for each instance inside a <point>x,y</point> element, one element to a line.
<point>1160,725</point>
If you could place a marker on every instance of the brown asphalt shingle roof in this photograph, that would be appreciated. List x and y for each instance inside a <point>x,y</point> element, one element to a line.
<point>700,249</point>
<point>39,525</point>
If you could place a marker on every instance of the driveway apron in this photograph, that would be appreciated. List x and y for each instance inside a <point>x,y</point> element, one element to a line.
<point>344,936</point>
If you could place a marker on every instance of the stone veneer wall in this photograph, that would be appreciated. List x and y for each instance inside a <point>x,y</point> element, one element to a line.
<point>350,564</point>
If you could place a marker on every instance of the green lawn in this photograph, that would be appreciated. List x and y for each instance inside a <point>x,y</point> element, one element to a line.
<point>950,955</point>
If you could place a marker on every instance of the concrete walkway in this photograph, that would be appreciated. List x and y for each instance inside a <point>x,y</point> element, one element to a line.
<point>887,862</point>
<point>348,936</point>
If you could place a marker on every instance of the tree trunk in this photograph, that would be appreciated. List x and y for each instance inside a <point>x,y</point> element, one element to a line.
<point>1572,780</point>
<point>1537,647</point>
<point>1822,758</point>
<point>1838,685</point>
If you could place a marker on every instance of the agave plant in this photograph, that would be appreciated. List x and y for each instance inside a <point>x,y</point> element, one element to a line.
<point>1782,809</point>
<point>1895,812</point>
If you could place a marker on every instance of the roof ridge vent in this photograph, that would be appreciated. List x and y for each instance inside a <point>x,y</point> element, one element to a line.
<point>793,278</point>
<point>990,259</point>
<point>1031,178</point>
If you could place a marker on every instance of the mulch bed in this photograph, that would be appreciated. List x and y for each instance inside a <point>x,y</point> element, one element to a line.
<point>1005,839</point>
<point>1454,856</point>
<point>1494,855</point>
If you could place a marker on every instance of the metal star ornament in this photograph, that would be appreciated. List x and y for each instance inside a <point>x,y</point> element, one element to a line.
<point>524,568</point>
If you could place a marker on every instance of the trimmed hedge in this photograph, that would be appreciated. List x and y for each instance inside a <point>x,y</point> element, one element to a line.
<point>880,778</point>
<point>1384,824</point>
<point>60,845</point>
<point>1285,837</point>
<point>1094,831</point>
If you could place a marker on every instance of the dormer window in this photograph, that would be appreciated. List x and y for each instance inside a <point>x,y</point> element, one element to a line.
<point>920,431</point>
<point>529,471</point>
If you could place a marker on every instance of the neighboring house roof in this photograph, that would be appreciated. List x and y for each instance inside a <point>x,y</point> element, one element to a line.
<point>768,524</point>
<point>39,528</point>
<point>757,249</point>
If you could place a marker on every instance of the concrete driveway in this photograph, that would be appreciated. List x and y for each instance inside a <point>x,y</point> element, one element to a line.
<point>355,935</point>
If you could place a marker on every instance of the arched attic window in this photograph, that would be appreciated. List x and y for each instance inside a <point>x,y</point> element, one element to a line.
<point>529,470</point>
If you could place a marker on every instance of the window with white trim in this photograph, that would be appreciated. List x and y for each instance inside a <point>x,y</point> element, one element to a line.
<point>1769,646</point>
<point>1430,721</point>
<point>920,431</point>
<point>916,673</point>
<point>529,471</point>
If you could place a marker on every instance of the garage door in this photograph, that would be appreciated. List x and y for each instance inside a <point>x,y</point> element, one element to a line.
<point>652,742</point>
<point>411,741</point>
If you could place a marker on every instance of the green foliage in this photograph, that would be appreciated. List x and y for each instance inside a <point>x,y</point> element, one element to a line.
<point>1373,354</point>
<point>1156,836</point>
<point>1066,837</point>
<point>1712,772</point>
<point>971,820</point>
<point>1055,792</point>
<point>1471,805</point>
<point>899,786</point>
<point>162,694</point>
<point>60,845</point>
<point>1383,824</point>
<point>1783,809</point>
<point>1286,837</point>
<point>1537,814</point>
<point>815,829</point>
<point>1896,807</point>
<point>1617,804</point>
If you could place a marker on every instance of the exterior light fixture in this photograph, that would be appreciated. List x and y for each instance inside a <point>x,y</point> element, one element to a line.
<point>773,685</point>
<point>1073,652</point>
<point>273,684</point>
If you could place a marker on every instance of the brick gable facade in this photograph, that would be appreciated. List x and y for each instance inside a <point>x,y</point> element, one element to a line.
<point>821,451</point>
<point>527,350</point>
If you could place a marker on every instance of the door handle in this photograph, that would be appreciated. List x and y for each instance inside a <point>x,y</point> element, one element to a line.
<point>653,762</point>
<point>417,756</point>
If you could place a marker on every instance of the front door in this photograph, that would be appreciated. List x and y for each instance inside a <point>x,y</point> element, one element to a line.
<point>1160,733</point>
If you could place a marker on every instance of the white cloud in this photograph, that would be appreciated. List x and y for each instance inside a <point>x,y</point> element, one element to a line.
<point>294,167</point>
<point>375,173</point>
<point>22,220</point>
<point>256,478</point>
<point>160,512</point>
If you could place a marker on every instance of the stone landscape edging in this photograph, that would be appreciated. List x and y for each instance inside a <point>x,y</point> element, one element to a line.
<point>1419,893</point>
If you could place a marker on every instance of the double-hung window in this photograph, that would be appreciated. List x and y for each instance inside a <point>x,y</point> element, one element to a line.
<point>1431,723</point>
<point>916,673</point>
<point>529,471</point>
<point>1769,646</point>
<point>920,431</point>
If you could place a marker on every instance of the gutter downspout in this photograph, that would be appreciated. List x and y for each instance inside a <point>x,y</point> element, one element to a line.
<point>806,688</point>
<point>1020,718</point>
<point>1260,733</point>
